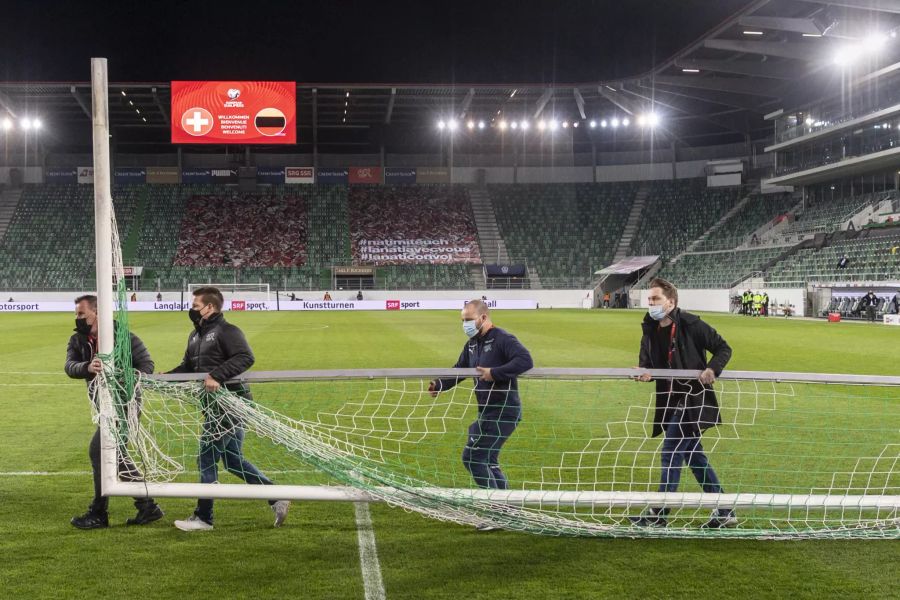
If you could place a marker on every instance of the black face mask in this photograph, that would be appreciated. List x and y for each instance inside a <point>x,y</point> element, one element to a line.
<point>195,317</point>
<point>82,327</point>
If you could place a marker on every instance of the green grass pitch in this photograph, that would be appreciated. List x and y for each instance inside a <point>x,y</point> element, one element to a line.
<point>45,427</point>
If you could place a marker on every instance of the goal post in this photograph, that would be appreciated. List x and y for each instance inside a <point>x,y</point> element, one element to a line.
<point>104,226</point>
<point>799,454</point>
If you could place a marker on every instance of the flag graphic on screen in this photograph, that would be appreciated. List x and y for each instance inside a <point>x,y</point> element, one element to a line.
<point>270,121</point>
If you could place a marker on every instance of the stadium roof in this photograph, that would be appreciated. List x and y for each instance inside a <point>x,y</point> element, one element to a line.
<point>770,55</point>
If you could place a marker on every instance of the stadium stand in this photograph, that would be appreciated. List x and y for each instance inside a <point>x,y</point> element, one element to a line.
<point>328,236</point>
<point>679,212</point>
<point>869,259</point>
<point>435,222</point>
<point>718,269</point>
<point>827,215</point>
<point>418,277</point>
<point>761,209</point>
<point>243,230</point>
<point>49,242</point>
<point>327,243</point>
<point>564,231</point>
<point>158,240</point>
<point>203,233</point>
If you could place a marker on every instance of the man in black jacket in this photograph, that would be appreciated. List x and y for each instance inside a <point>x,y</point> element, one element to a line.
<point>870,303</point>
<point>82,363</point>
<point>675,339</point>
<point>220,350</point>
<point>499,358</point>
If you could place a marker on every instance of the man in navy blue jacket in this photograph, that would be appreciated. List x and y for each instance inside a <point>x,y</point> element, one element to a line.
<point>499,359</point>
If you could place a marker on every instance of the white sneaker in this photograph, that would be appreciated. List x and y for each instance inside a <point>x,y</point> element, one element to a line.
<point>483,528</point>
<point>193,523</point>
<point>280,509</point>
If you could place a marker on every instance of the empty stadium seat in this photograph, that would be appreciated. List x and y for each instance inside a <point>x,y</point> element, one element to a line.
<point>869,259</point>
<point>759,210</point>
<point>718,269</point>
<point>678,212</point>
<point>564,231</point>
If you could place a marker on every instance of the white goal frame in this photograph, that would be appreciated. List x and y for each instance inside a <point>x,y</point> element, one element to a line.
<point>114,487</point>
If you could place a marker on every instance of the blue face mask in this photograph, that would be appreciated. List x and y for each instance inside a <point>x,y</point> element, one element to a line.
<point>657,312</point>
<point>470,328</point>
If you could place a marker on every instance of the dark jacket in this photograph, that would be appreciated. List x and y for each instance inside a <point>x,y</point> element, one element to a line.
<point>505,356</point>
<point>80,352</point>
<point>869,300</point>
<point>693,339</point>
<point>219,348</point>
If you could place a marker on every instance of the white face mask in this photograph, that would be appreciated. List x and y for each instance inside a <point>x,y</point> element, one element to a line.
<point>657,312</point>
<point>470,328</point>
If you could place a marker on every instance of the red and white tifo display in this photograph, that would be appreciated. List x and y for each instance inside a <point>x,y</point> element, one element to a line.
<point>234,112</point>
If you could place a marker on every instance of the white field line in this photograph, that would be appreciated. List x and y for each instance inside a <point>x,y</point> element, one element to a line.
<point>373,585</point>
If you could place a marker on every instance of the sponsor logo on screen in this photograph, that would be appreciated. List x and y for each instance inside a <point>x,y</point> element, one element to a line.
<point>233,102</point>
<point>392,305</point>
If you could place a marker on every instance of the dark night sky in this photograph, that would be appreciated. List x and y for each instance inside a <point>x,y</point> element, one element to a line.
<point>344,41</point>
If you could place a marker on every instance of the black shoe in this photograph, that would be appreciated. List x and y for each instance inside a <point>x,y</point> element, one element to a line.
<point>91,520</point>
<point>721,519</point>
<point>146,514</point>
<point>652,517</point>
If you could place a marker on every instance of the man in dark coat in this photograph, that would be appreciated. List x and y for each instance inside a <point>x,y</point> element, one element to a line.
<point>870,303</point>
<point>675,339</point>
<point>219,349</point>
<point>82,363</point>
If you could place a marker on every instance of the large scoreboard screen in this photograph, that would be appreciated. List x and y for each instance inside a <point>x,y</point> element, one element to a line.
<point>234,112</point>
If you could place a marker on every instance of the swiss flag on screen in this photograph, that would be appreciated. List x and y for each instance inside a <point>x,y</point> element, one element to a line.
<point>392,305</point>
<point>238,305</point>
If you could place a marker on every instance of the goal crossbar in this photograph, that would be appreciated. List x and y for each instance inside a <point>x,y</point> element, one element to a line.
<point>112,486</point>
<point>546,373</point>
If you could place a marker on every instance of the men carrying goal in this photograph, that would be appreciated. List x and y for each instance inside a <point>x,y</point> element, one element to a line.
<point>220,350</point>
<point>676,339</point>
<point>82,363</point>
<point>499,359</point>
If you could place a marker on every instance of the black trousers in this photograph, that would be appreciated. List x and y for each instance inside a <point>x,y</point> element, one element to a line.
<point>870,312</point>
<point>128,471</point>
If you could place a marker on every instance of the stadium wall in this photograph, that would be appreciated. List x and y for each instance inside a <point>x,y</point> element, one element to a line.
<point>544,298</point>
<point>632,172</point>
<point>463,175</point>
